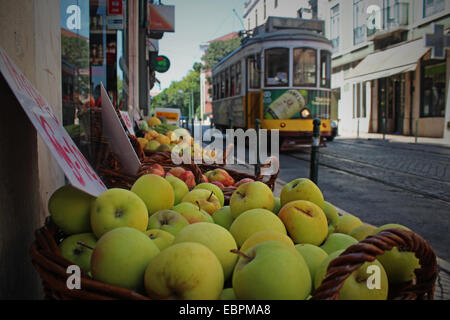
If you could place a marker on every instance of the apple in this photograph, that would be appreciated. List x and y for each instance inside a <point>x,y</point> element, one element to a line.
<point>189,178</point>
<point>355,287</point>
<point>212,187</point>
<point>223,217</point>
<point>70,209</point>
<point>271,270</point>
<point>179,187</point>
<point>227,294</point>
<point>121,257</point>
<point>331,213</point>
<point>205,179</point>
<point>253,221</point>
<point>192,213</point>
<point>399,266</point>
<point>161,238</point>
<point>205,199</point>
<point>152,145</point>
<point>241,182</point>
<point>77,253</point>
<point>301,189</point>
<point>184,271</point>
<point>362,232</point>
<point>217,183</point>
<point>216,238</point>
<point>118,208</point>
<point>263,236</point>
<point>252,195</point>
<point>347,223</point>
<point>156,192</point>
<point>221,176</point>
<point>277,207</point>
<point>337,241</point>
<point>167,220</point>
<point>305,222</point>
<point>176,172</point>
<point>313,255</point>
<point>156,169</point>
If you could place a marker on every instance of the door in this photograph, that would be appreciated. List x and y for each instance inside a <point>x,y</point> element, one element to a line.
<point>253,91</point>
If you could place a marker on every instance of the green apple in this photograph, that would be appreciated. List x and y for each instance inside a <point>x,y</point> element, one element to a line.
<point>347,223</point>
<point>331,213</point>
<point>223,217</point>
<point>362,232</point>
<point>399,266</point>
<point>192,213</point>
<point>167,220</point>
<point>77,253</point>
<point>227,294</point>
<point>338,241</point>
<point>212,187</point>
<point>313,255</point>
<point>253,221</point>
<point>271,270</point>
<point>152,145</point>
<point>161,238</point>
<point>70,209</point>
<point>185,271</point>
<point>216,238</point>
<point>252,195</point>
<point>356,286</point>
<point>263,236</point>
<point>301,189</point>
<point>277,206</point>
<point>205,199</point>
<point>179,187</point>
<point>156,192</point>
<point>331,230</point>
<point>121,257</point>
<point>118,208</point>
<point>305,222</point>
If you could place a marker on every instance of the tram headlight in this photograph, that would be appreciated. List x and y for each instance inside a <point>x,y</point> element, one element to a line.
<point>305,113</point>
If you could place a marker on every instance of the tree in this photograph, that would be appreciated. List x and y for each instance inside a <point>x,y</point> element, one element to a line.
<point>218,50</point>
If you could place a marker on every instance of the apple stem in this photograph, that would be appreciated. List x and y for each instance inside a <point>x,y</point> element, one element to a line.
<point>85,245</point>
<point>198,204</point>
<point>241,253</point>
<point>212,192</point>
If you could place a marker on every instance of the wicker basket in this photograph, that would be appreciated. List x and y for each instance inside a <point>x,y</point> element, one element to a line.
<point>366,251</point>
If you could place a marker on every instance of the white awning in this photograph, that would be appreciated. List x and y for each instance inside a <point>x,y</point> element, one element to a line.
<point>380,64</point>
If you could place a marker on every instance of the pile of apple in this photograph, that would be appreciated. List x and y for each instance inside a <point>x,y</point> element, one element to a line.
<point>168,242</point>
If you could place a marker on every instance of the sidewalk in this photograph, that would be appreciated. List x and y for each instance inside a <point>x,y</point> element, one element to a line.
<point>398,138</point>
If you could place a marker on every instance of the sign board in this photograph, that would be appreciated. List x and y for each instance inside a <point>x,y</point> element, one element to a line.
<point>75,166</point>
<point>115,7</point>
<point>114,22</point>
<point>153,45</point>
<point>117,137</point>
<point>172,115</point>
<point>127,120</point>
<point>161,17</point>
<point>161,64</point>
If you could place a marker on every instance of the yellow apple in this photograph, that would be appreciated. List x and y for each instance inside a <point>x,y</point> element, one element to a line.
<point>313,255</point>
<point>263,236</point>
<point>337,241</point>
<point>362,232</point>
<point>252,195</point>
<point>223,217</point>
<point>161,238</point>
<point>331,213</point>
<point>205,199</point>
<point>179,187</point>
<point>167,220</point>
<point>347,223</point>
<point>156,192</point>
<point>212,187</point>
<point>77,253</point>
<point>301,189</point>
<point>192,213</point>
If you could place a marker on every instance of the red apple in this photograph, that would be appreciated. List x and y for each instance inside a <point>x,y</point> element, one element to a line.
<point>246,180</point>
<point>221,176</point>
<point>156,169</point>
<point>188,178</point>
<point>220,185</point>
<point>205,179</point>
<point>176,172</point>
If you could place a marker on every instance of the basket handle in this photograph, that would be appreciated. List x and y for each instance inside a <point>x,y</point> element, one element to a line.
<point>367,250</point>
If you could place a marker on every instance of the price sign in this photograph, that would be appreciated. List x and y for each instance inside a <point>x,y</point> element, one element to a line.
<point>127,120</point>
<point>75,166</point>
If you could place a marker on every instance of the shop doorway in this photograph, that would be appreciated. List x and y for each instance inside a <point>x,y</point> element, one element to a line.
<point>391,104</point>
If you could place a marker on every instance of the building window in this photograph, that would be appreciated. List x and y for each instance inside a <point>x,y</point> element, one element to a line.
<point>277,67</point>
<point>433,90</point>
<point>256,18</point>
<point>248,21</point>
<point>359,25</point>
<point>325,69</point>
<point>265,11</point>
<point>335,26</point>
<point>275,4</point>
<point>305,67</point>
<point>431,7</point>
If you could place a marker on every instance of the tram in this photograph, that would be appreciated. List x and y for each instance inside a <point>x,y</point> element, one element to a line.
<point>281,75</point>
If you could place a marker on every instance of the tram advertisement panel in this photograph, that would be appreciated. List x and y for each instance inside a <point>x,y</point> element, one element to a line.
<point>288,104</point>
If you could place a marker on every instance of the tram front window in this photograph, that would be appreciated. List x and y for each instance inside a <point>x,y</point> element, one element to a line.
<point>305,67</point>
<point>277,67</point>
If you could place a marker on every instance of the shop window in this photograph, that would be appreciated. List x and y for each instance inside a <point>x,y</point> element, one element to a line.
<point>277,67</point>
<point>433,90</point>
<point>325,69</point>
<point>305,67</point>
<point>238,78</point>
<point>254,73</point>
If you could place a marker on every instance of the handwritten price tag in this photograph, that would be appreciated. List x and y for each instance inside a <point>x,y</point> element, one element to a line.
<point>127,120</point>
<point>75,166</point>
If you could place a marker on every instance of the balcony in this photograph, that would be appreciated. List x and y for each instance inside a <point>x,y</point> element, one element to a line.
<point>393,19</point>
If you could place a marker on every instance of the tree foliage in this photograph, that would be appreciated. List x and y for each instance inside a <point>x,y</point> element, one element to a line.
<point>218,50</point>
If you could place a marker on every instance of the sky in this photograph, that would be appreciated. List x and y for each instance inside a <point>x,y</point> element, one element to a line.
<point>196,22</point>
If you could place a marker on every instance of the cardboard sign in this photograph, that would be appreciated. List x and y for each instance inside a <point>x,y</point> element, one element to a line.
<point>172,115</point>
<point>127,120</point>
<point>75,166</point>
<point>161,17</point>
<point>117,137</point>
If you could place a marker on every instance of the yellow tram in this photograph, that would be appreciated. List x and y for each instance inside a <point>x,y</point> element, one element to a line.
<point>281,75</point>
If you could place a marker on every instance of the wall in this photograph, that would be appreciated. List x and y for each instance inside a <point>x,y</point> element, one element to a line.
<point>30,34</point>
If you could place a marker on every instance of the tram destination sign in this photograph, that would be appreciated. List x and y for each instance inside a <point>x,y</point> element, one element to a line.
<point>279,23</point>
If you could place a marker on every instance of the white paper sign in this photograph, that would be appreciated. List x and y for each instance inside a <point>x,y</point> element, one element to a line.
<point>117,137</point>
<point>75,166</point>
<point>127,120</point>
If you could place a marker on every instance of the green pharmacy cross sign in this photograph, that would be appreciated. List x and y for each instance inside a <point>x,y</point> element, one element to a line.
<point>161,64</point>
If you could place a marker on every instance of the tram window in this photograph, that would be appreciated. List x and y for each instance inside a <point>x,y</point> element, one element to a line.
<point>238,78</point>
<point>222,85</point>
<point>227,83</point>
<point>253,73</point>
<point>325,71</point>
<point>305,67</point>
<point>277,67</point>
<point>232,81</point>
